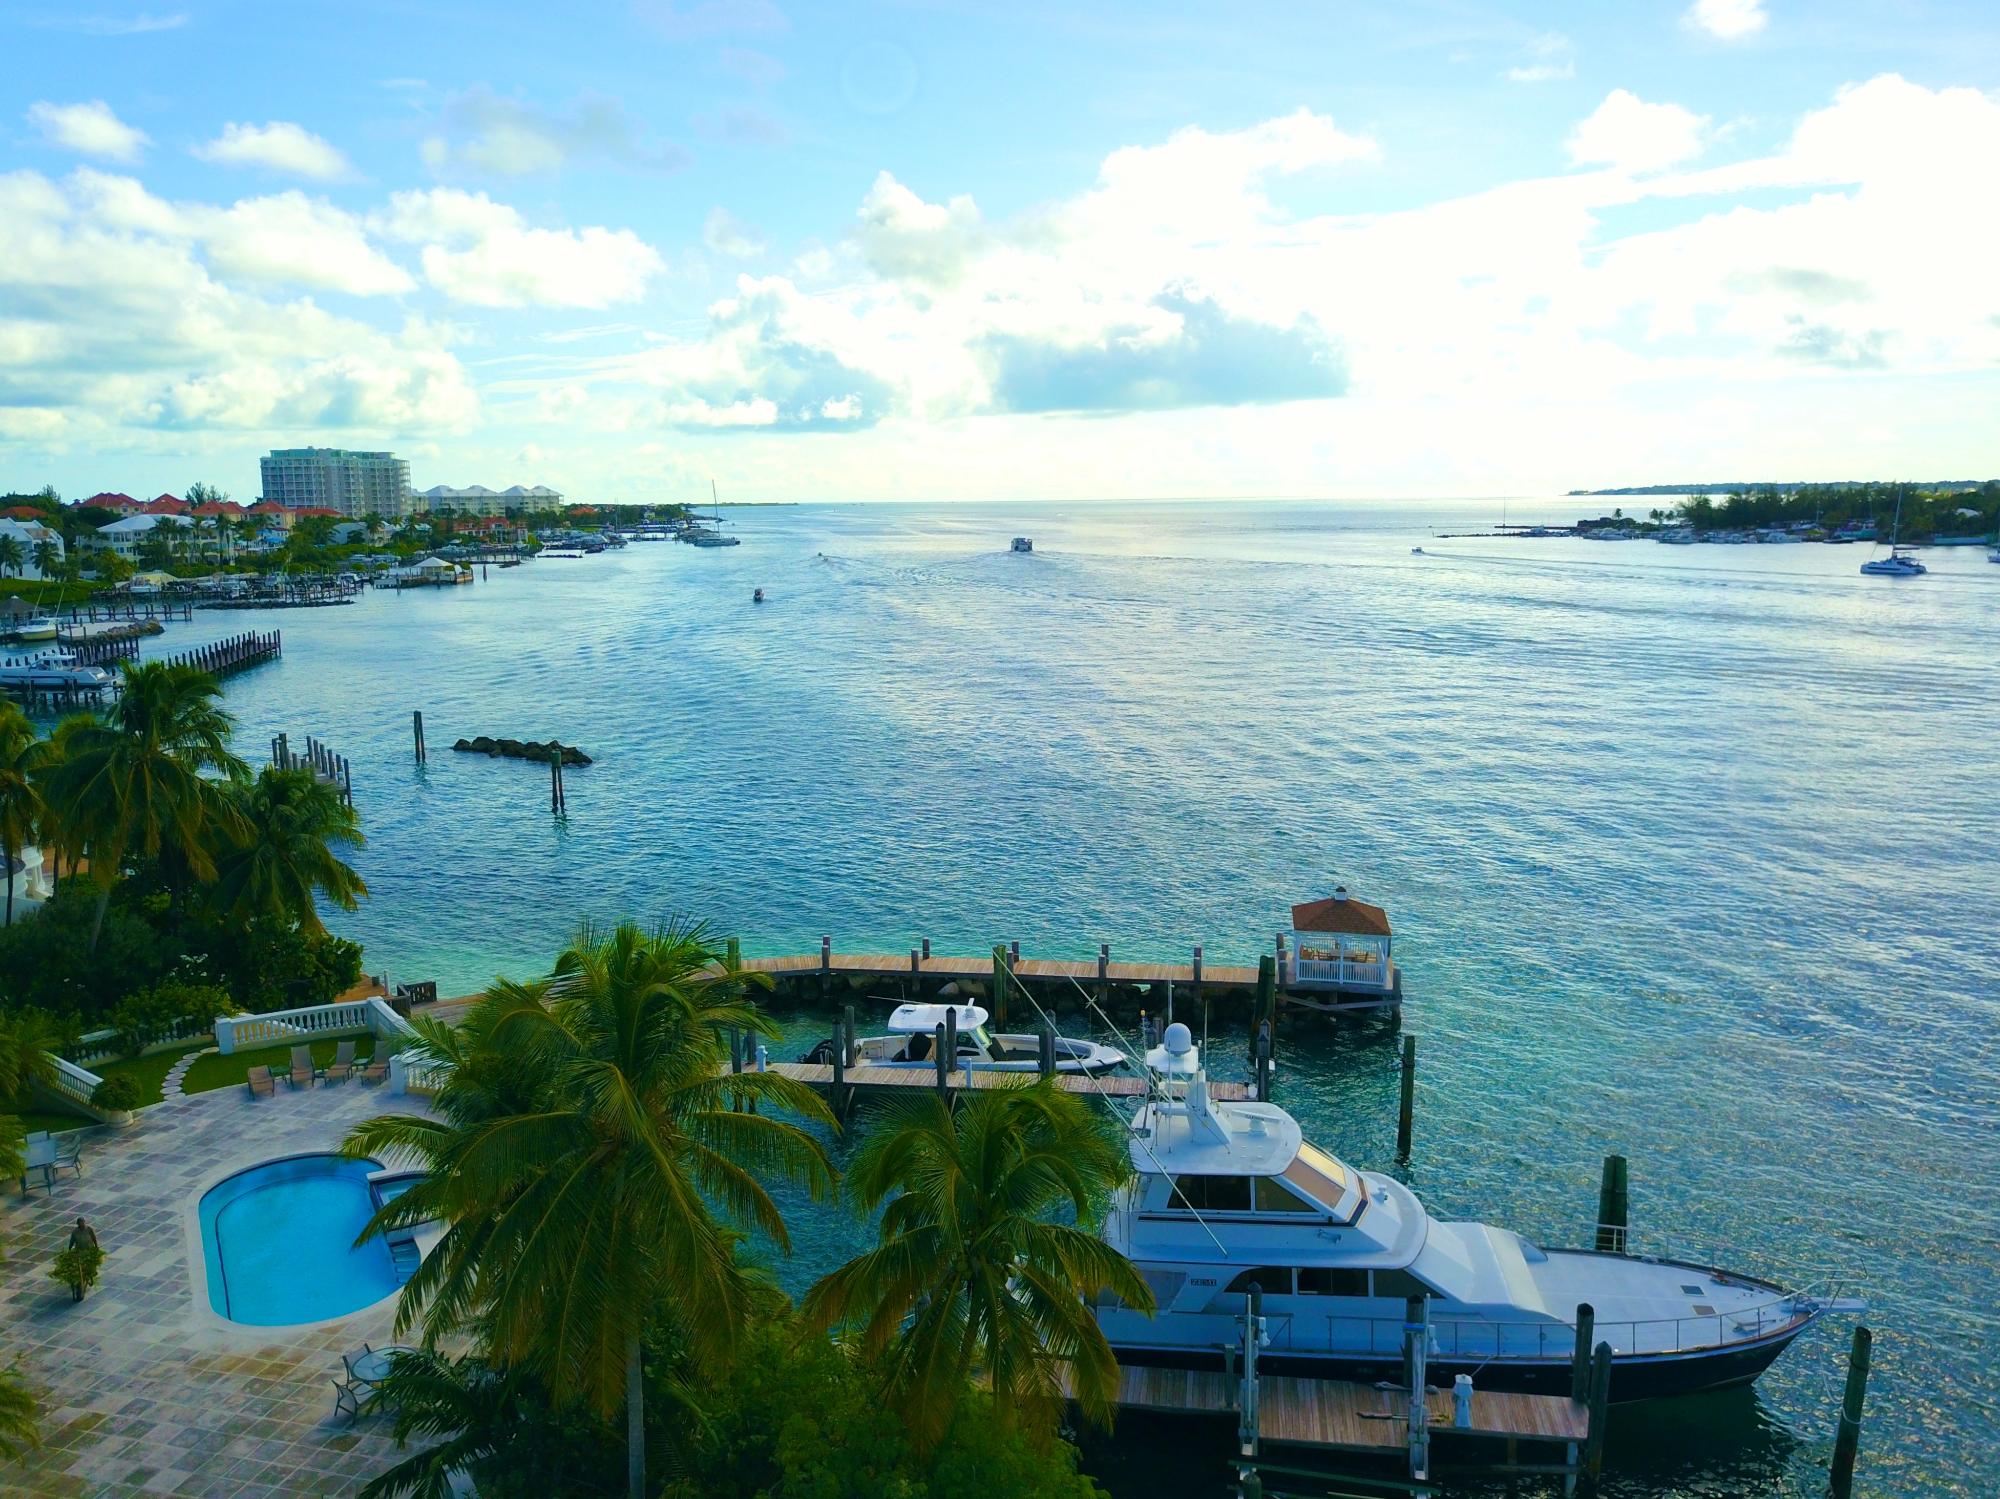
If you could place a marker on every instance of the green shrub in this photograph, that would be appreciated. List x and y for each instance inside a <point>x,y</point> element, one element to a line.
<point>154,1014</point>
<point>77,1267</point>
<point>117,1093</point>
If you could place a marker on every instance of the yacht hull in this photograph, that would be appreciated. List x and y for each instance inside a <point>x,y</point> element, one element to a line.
<point>1633,1376</point>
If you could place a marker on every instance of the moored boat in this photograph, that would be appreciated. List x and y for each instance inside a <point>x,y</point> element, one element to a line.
<point>912,1039</point>
<point>1230,1195</point>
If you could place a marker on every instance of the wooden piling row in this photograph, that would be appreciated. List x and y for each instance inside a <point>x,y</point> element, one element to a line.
<point>233,654</point>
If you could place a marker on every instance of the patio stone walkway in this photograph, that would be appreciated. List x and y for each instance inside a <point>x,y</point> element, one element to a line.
<point>144,1391</point>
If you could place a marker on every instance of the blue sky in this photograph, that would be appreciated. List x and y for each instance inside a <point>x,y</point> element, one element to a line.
<point>937,251</point>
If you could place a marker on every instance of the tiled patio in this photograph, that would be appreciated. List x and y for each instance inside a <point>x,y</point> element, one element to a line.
<point>143,1390</point>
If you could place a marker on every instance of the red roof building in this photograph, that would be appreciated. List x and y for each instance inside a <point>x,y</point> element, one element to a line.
<point>111,500</point>
<point>219,507</point>
<point>1341,943</point>
<point>164,504</point>
<point>25,512</point>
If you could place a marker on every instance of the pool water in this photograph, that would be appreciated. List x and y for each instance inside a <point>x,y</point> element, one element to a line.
<point>278,1241</point>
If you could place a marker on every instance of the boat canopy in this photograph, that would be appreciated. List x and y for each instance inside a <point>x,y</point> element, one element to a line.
<point>910,1020</point>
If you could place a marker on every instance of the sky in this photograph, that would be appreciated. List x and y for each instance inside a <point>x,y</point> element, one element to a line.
<point>935,251</point>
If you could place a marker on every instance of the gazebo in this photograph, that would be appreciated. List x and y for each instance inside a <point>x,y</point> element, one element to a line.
<point>1341,943</point>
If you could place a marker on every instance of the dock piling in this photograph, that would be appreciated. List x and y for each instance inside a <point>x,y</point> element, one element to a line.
<point>927,948</point>
<point>836,1095</point>
<point>1266,1003</point>
<point>1847,1437</point>
<point>1046,1049</point>
<point>1579,1364</point>
<point>999,984</point>
<point>417,724</point>
<point>1263,1067</point>
<point>949,1050</point>
<point>1416,1367</point>
<point>1406,1107</point>
<point>1103,961</point>
<point>1613,1206</point>
<point>732,954</point>
<point>1600,1408</point>
<point>941,1061</point>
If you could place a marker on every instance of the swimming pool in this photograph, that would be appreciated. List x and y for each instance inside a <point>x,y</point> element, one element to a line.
<point>278,1242</point>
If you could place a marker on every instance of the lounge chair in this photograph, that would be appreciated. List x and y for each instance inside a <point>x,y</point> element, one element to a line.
<point>260,1082</point>
<point>69,1155</point>
<point>301,1075</point>
<point>376,1069</point>
<point>343,1063</point>
<point>347,1401</point>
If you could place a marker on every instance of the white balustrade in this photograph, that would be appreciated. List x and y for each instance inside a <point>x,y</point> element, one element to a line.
<point>72,1081</point>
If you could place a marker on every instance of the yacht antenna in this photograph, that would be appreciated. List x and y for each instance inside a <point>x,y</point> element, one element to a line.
<point>1007,968</point>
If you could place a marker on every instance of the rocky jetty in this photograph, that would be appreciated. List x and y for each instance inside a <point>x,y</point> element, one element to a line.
<point>519,749</point>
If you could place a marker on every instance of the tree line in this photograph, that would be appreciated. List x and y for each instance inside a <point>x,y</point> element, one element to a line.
<point>1927,513</point>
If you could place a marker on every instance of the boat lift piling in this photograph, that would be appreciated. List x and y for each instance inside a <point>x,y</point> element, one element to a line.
<point>1579,1364</point>
<point>417,727</point>
<point>1847,1436</point>
<point>1406,1108</point>
<point>1613,1206</point>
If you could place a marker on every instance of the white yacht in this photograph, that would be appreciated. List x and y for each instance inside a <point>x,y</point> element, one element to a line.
<point>53,671</point>
<point>35,627</point>
<point>913,1036</point>
<point>1229,1195</point>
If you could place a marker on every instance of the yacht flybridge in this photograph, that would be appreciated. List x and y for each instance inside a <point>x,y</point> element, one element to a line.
<point>913,1036</point>
<point>1230,1195</point>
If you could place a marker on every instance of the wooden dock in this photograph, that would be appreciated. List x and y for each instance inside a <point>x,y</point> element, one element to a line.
<point>234,654</point>
<point>865,1079</point>
<point>1339,1416</point>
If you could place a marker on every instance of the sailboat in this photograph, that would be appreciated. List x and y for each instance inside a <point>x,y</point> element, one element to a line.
<point>710,534</point>
<point>1898,564</point>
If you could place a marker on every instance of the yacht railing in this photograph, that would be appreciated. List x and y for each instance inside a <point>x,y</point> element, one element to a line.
<point>1486,1340</point>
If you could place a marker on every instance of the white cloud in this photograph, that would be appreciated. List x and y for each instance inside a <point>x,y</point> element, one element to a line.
<point>487,133</point>
<point>1630,135</point>
<point>286,239</point>
<point>90,129</point>
<point>725,234</point>
<point>1549,58</point>
<point>141,24</point>
<point>279,146</point>
<point>111,323</point>
<point>1727,19</point>
<point>485,253</point>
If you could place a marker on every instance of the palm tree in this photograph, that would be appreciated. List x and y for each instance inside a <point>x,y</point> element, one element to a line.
<point>47,555</point>
<point>134,786</point>
<point>17,1414</point>
<point>587,1124</point>
<point>22,755</point>
<point>12,558</point>
<point>291,822</point>
<point>974,1273</point>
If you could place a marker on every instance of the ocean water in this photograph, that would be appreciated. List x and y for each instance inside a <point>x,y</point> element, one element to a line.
<point>1690,852</point>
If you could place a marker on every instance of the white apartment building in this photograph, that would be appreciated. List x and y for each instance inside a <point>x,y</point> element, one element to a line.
<point>353,483</point>
<point>479,500</point>
<point>29,534</point>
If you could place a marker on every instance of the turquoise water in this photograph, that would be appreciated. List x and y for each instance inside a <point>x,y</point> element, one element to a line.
<point>1690,851</point>
<point>279,1242</point>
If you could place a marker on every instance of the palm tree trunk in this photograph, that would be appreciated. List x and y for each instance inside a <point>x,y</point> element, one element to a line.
<point>635,1421</point>
<point>7,857</point>
<point>97,921</point>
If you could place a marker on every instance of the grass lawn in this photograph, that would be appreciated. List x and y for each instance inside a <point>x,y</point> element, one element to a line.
<point>226,1072</point>
<point>148,1072</point>
<point>54,1123</point>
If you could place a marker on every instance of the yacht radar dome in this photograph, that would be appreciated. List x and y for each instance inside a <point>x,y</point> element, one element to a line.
<point>1176,1055</point>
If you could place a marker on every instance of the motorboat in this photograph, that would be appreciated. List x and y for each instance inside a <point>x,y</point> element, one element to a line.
<point>1416,551</point>
<point>53,671</point>
<point>1227,1196</point>
<point>912,1040</point>
<point>757,596</point>
<point>1899,563</point>
<point>1022,544</point>
<point>35,627</point>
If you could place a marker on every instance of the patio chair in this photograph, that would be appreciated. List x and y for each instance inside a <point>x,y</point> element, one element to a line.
<point>69,1155</point>
<point>260,1082</point>
<point>347,1401</point>
<point>343,1063</point>
<point>376,1069</point>
<point>349,1360</point>
<point>301,1075</point>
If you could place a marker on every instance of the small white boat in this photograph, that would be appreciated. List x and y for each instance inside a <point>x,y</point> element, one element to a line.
<point>35,627</point>
<point>1416,551</point>
<point>912,1039</point>
<point>1022,544</point>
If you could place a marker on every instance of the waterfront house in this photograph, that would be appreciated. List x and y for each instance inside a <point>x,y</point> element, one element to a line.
<point>30,534</point>
<point>1341,943</point>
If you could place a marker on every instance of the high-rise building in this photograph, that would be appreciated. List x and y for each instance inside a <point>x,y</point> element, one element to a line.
<point>338,479</point>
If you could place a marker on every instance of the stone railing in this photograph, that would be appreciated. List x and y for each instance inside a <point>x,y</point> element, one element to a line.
<point>73,1084</point>
<point>235,1033</point>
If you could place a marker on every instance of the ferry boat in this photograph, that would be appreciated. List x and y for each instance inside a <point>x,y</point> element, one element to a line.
<point>913,1034</point>
<point>1231,1195</point>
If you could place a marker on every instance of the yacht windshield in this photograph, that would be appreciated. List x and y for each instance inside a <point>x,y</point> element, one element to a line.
<point>1321,1177</point>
